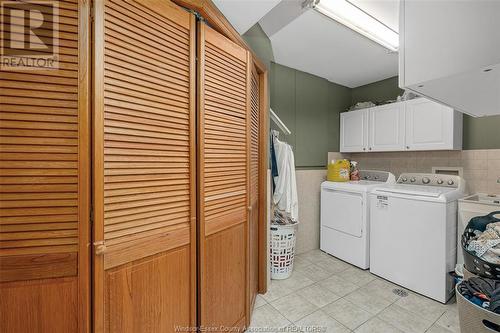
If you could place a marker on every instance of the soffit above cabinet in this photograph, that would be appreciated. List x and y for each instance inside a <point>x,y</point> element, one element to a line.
<point>453,58</point>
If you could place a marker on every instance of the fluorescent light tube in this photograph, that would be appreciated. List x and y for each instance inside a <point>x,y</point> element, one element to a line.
<point>351,16</point>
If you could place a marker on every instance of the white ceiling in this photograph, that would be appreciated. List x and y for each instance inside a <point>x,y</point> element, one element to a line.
<point>243,14</point>
<point>311,42</point>
<point>315,44</point>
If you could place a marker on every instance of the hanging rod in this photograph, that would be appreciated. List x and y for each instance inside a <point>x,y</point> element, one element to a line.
<point>277,121</point>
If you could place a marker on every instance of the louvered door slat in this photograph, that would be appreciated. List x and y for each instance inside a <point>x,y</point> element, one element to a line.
<point>145,170</point>
<point>255,105</point>
<point>223,179</point>
<point>45,178</point>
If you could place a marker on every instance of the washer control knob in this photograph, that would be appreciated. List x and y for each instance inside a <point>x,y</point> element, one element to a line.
<point>451,182</point>
<point>426,180</point>
<point>440,181</point>
<point>413,180</point>
<point>405,179</point>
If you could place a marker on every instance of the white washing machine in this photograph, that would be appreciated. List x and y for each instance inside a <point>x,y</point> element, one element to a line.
<point>344,217</point>
<point>413,232</point>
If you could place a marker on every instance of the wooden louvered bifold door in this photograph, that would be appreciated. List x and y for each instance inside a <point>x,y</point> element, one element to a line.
<point>145,213</point>
<point>223,140</point>
<point>255,104</point>
<point>45,178</point>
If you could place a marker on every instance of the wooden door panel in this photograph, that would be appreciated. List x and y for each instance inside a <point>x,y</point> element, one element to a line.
<point>150,295</point>
<point>45,185</point>
<point>145,167</point>
<point>223,141</point>
<point>226,276</point>
<point>44,305</point>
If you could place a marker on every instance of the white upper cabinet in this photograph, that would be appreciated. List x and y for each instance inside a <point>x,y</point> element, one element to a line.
<point>432,126</point>
<point>450,52</point>
<point>387,127</point>
<point>418,124</point>
<point>354,131</point>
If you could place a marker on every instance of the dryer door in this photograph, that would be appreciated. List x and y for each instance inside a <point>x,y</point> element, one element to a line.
<point>342,211</point>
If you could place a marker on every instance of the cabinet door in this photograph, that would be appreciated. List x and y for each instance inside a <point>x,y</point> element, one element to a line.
<point>387,127</point>
<point>429,125</point>
<point>144,162</point>
<point>45,176</point>
<point>223,179</point>
<point>354,131</point>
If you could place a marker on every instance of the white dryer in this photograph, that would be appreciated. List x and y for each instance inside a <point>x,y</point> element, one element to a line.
<point>413,232</point>
<point>345,218</point>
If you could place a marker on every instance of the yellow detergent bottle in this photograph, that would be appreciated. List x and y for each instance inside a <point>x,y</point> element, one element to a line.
<point>339,171</point>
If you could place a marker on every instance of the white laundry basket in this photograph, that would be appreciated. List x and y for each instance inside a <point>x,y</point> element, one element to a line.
<point>282,250</point>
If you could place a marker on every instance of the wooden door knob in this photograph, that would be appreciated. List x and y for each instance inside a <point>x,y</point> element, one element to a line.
<point>99,248</point>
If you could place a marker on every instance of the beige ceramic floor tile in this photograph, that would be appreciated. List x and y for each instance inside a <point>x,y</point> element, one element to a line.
<point>300,262</point>
<point>383,289</point>
<point>404,319</point>
<point>376,325</point>
<point>314,272</point>
<point>276,291</point>
<point>357,276</point>
<point>294,307</point>
<point>259,301</point>
<point>338,285</point>
<point>368,300</point>
<point>267,317</point>
<point>422,306</point>
<point>438,329</point>
<point>312,256</point>
<point>318,295</point>
<point>332,264</point>
<point>347,313</point>
<point>449,320</point>
<point>295,282</point>
<point>320,320</point>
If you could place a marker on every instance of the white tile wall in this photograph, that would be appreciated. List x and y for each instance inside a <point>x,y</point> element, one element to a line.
<point>481,167</point>
<point>308,191</point>
<point>481,172</point>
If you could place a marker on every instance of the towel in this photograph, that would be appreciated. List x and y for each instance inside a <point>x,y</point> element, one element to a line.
<point>285,193</point>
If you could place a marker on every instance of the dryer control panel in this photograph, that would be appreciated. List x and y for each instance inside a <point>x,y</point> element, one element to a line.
<point>430,179</point>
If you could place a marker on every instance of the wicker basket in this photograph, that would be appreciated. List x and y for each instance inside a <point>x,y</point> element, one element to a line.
<point>475,319</point>
<point>282,250</point>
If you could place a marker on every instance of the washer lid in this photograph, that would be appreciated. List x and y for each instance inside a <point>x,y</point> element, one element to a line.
<point>415,190</point>
<point>353,186</point>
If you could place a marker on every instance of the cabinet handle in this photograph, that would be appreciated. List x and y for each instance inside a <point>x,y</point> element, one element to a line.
<point>370,148</point>
<point>364,148</point>
<point>407,147</point>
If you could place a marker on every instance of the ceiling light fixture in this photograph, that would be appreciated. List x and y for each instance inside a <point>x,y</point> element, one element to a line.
<point>356,19</point>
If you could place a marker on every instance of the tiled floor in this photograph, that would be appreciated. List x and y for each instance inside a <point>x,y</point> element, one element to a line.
<point>326,292</point>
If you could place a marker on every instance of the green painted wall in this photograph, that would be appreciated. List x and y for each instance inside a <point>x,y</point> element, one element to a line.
<point>257,39</point>
<point>307,100</point>
<point>310,107</point>
<point>379,91</point>
<point>479,133</point>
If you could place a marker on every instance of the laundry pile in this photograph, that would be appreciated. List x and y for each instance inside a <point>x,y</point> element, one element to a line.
<point>483,292</point>
<point>281,218</point>
<point>485,243</point>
